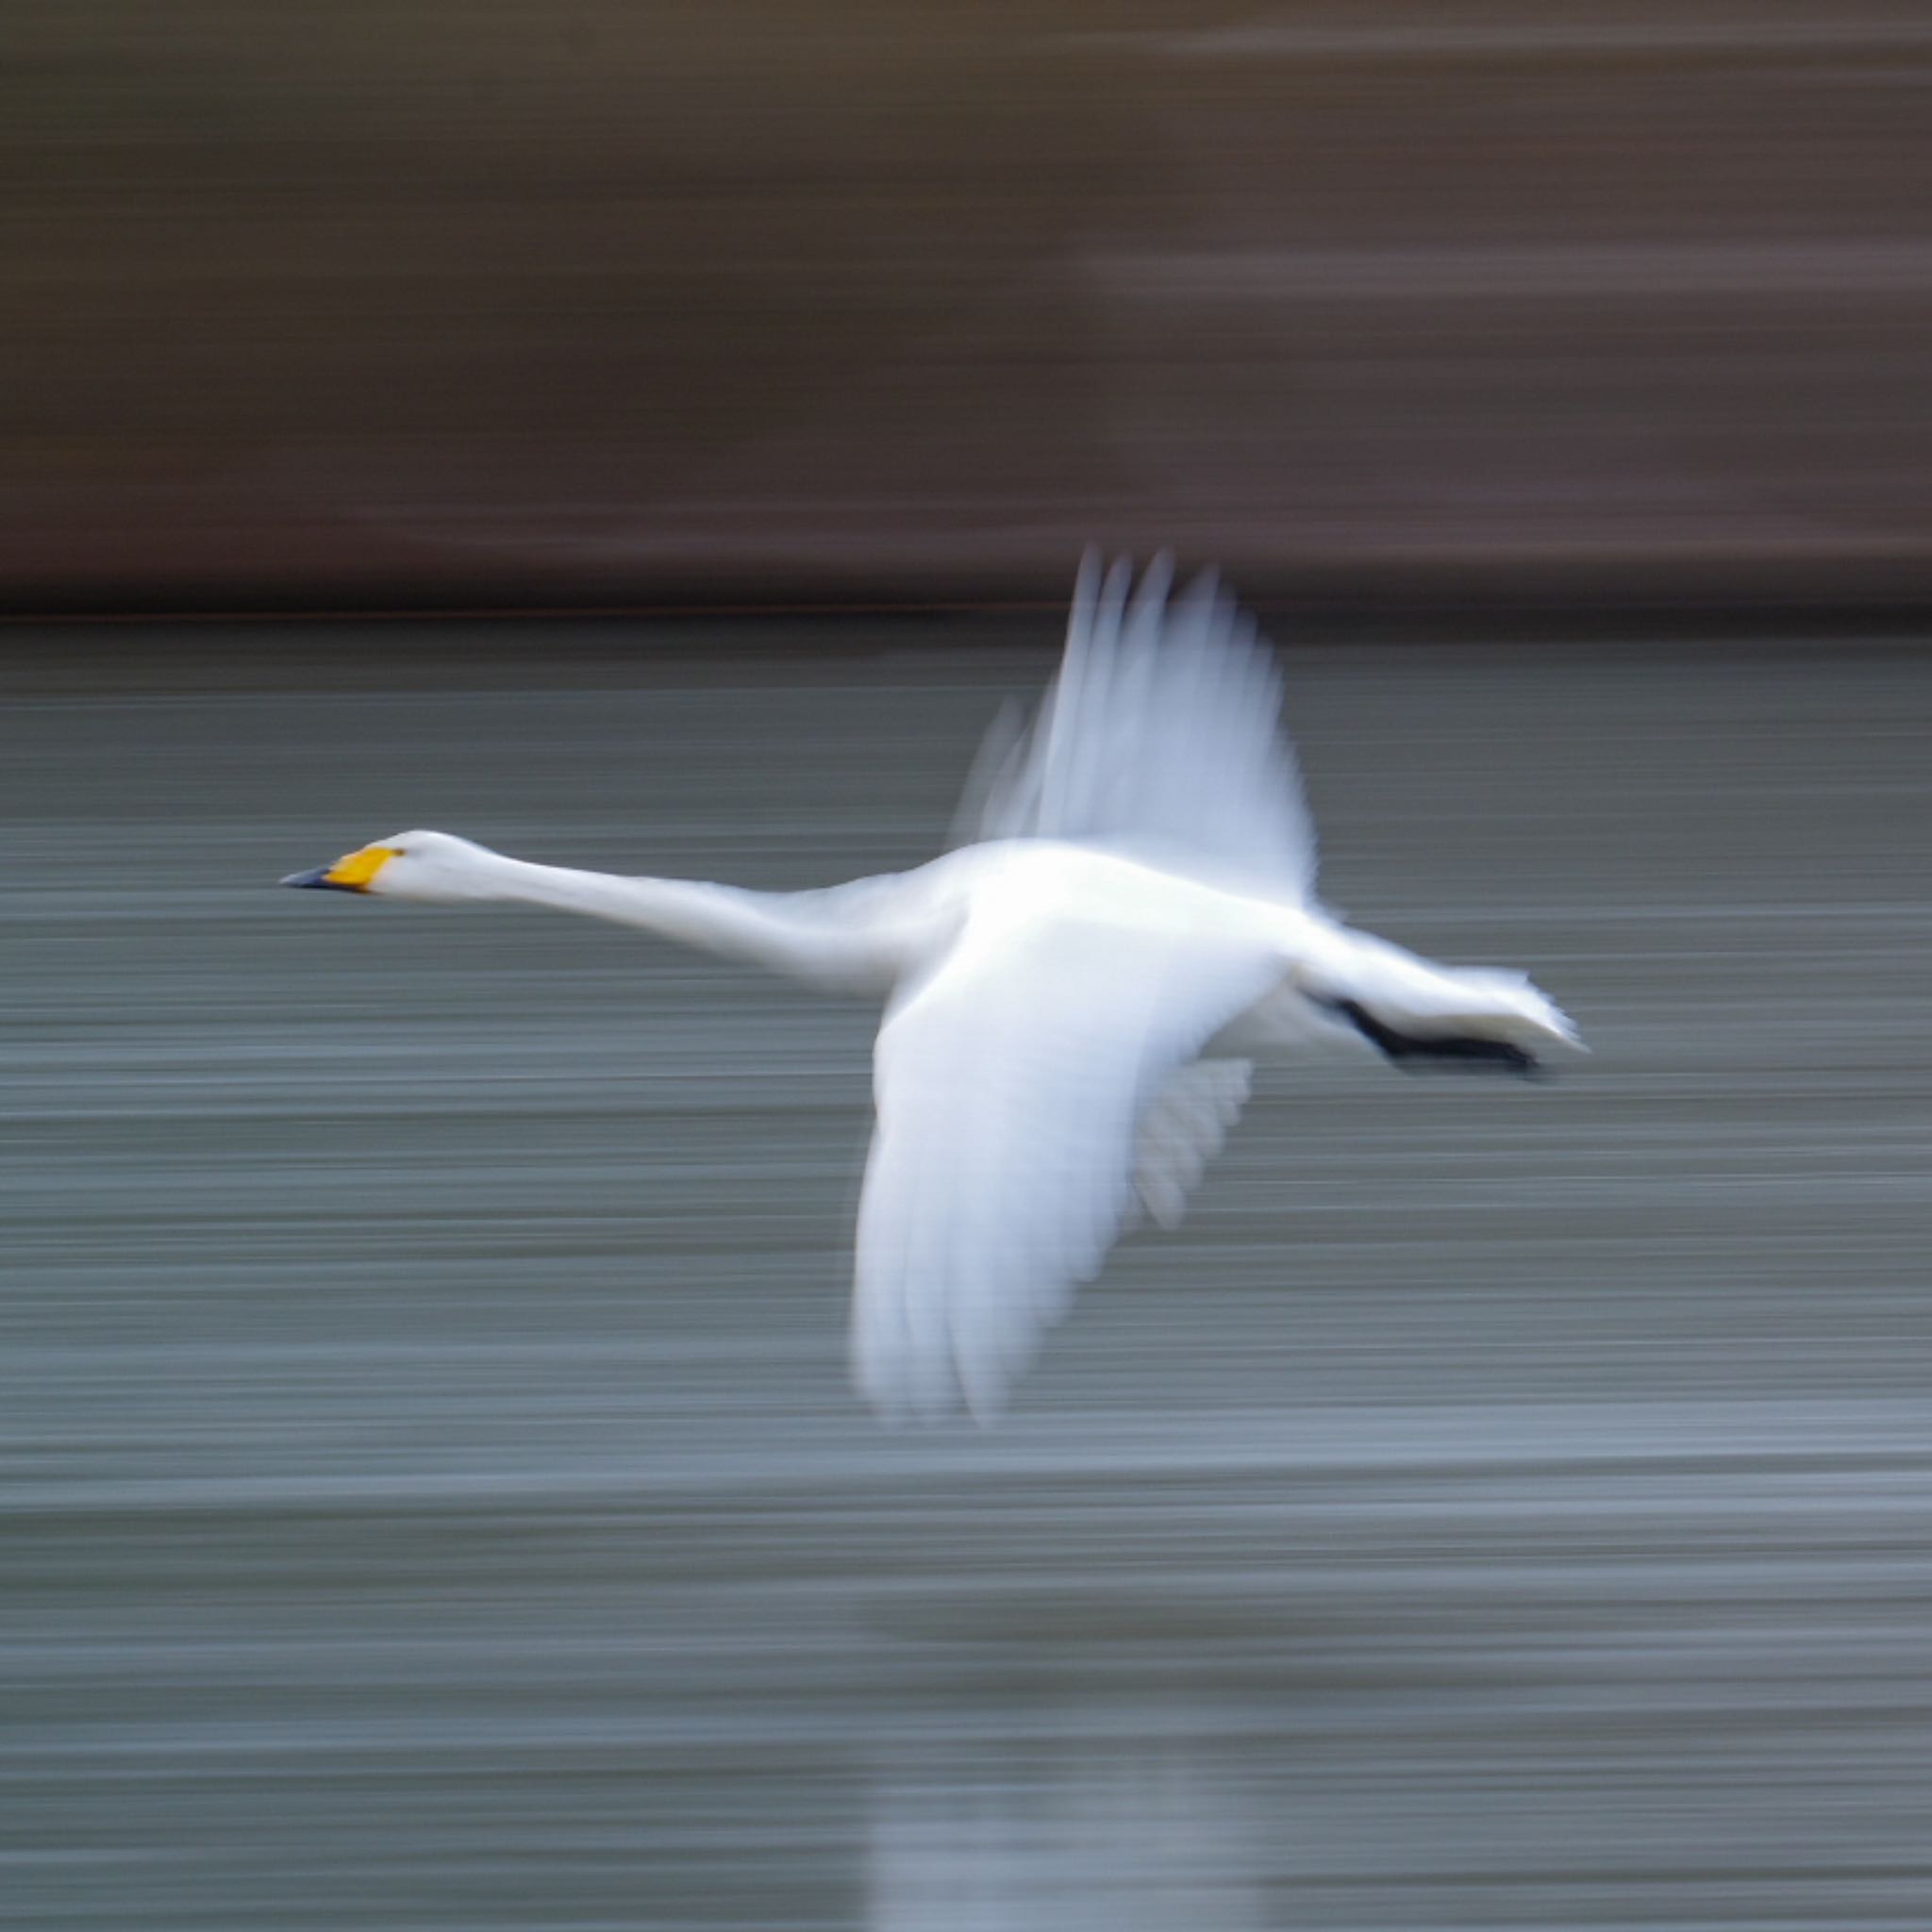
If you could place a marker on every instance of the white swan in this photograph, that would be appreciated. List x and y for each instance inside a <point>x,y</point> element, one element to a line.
<point>1072,997</point>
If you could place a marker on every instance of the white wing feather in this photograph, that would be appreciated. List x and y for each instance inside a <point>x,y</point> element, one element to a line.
<point>1183,1129</point>
<point>1160,737</point>
<point>1010,1088</point>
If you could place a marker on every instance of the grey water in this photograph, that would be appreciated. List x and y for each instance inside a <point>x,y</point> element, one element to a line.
<point>430,1496</point>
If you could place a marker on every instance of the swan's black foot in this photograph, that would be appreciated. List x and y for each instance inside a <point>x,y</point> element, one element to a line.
<point>1414,1052</point>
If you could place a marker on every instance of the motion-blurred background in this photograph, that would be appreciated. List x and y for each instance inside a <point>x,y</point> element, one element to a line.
<point>430,1496</point>
<point>404,301</point>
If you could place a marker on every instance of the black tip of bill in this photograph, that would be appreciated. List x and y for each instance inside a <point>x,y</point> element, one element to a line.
<point>317,881</point>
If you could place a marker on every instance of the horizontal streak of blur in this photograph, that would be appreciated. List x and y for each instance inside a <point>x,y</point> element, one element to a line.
<point>600,303</point>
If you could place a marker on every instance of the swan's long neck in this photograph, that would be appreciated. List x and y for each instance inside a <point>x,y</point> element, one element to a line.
<point>782,930</point>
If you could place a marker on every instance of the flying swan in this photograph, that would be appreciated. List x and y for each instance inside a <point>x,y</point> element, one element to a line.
<point>1073,996</point>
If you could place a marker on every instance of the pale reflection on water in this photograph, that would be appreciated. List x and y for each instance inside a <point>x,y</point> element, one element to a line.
<point>429,1493</point>
<point>1103,1841</point>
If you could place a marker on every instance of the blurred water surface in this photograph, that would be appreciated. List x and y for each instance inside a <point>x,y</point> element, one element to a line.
<point>430,1496</point>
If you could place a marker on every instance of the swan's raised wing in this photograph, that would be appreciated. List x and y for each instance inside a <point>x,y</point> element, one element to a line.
<point>1161,736</point>
<point>1009,1089</point>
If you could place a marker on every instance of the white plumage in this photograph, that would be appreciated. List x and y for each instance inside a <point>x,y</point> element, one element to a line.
<point>1074,996</point>
<point>1160,737</point>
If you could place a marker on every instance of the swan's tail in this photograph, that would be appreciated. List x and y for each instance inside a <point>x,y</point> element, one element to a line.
<point>1422,1015</point>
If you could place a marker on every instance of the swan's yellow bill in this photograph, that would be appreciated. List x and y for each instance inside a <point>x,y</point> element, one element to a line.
<point>352,873</point>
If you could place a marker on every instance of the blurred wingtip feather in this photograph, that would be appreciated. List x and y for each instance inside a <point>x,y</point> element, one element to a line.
<point>1161,733</point>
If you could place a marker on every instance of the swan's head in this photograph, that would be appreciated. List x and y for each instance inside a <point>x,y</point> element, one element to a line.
<point>435,868</point>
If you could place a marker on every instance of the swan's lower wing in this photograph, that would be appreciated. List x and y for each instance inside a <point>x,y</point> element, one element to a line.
<point>1182,1129</point>
<point>1009,1089</point>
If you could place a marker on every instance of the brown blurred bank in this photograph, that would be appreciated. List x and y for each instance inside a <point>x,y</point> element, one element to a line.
<point>416,303</point>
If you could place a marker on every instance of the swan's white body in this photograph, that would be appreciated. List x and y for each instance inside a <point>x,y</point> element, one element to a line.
<point>1072,999</point>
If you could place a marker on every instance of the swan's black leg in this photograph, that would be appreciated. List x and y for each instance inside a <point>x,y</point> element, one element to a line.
<point>1414,1051</point>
